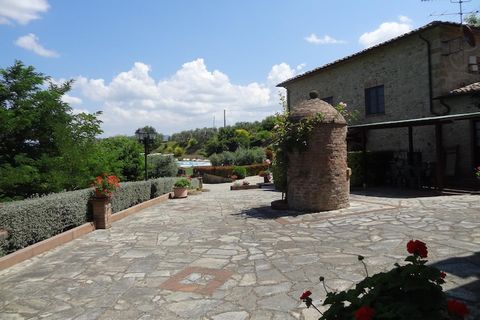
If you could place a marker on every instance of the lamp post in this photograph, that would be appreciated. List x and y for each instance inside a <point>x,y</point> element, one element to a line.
<point>145,138</point>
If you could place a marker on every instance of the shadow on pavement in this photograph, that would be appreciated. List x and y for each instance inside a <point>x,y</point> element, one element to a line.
<point>465,268</point>
<point>388,192</point>
<point>266,213</point>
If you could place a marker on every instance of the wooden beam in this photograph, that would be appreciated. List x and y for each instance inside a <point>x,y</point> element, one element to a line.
<point>410,145</point>
<point>439,156</point>
<point>364,157</point>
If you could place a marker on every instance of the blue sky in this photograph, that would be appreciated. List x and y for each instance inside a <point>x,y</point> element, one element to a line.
<point>175,64</point>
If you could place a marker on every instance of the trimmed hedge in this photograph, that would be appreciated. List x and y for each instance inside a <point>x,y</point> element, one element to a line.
<point>227,171</point>
<point>130,194</point>
<point>210,178</point>
<point>36,219</point>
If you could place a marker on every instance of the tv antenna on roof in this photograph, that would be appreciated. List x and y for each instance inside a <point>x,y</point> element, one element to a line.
<point>460,11</point>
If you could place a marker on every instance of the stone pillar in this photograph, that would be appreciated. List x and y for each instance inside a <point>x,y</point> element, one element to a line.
<point>318,178</point>
<point>102,212</point>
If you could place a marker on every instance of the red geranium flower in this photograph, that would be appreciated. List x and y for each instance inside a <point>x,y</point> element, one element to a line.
<point>305,295</point>
<point>443,275</point>
<point>364,313</point>
<point>457,308</point>
<point>418,248</point>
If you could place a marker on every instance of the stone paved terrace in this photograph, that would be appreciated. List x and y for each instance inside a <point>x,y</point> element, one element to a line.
<point>225,255</point>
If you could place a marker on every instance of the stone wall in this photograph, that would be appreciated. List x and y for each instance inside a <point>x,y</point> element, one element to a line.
<point>317,178</point>
<point>402,67</point>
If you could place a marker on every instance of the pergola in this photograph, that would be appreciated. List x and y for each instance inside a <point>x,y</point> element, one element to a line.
<point>437,121</point>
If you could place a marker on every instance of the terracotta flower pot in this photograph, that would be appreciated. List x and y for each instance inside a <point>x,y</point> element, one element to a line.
<point>99,194</point>
<point>180,192</point>
<point>102,212</point>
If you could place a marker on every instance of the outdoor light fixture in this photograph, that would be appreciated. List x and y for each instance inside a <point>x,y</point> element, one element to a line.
<point>145,138</point>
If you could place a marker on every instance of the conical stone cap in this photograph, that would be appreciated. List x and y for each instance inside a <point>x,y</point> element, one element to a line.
<point>314,105</point>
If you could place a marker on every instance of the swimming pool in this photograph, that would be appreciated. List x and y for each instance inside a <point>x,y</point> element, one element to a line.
<point>184,163</point>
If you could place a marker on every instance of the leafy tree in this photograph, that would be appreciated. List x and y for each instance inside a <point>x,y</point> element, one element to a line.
<point>178,151</point>
<point>268,123</point>
<point>214,145</point>
<point>43,146</point>
<point>123,157</point>
<point>242,138</point>
<point>473,20</point>
<point>262,138</point>
<point>161,166</point>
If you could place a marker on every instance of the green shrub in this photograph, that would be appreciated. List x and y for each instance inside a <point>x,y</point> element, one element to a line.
<point>210,178</point>
<point>240,157</point>
<point>227,171</point>
<point>130,194</point>
<point>178,151</point>
<point>160,165</point>
<point>161,186</point>
<point>249,156</point>
<point>278,171</point>
<point>240,172</point>
<point>254,169</point>
<point>182,183</point>
<point>194,183</point>
<point>36,219</point>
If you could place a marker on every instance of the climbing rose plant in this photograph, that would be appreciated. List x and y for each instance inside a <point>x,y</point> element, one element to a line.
<point>295,135</point>
<point>409,292</point>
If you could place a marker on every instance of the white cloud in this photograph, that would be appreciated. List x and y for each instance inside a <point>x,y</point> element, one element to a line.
<point>405,19</point>
<point>386,31</point>
<point>77,111</point>
<point>31,42</point>
<point>301,66</point>
<point>279,73</point>
<point>71,100</point>
<point>187,99</point>
<point>21,11</point>
<point>326,39</point>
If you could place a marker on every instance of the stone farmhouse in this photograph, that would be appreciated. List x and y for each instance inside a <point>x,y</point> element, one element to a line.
<point>417,95</point>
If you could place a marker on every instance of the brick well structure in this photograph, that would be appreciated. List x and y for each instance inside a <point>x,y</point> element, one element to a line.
<point>318,178</point>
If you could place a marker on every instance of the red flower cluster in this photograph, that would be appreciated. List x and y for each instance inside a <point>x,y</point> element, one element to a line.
<point>105,184</point>
<point>443,275</point>
<point>305,295</point>
<point>457,308</point>
<point>364,313</point>
<point>417,248</point>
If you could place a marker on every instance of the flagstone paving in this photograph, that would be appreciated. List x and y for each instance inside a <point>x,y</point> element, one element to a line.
<point>226,255</point>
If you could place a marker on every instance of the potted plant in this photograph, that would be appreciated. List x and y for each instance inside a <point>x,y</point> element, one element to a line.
<point>239,172</point>
<point>477,172</point>
<point>410,291</point>
<point>267,176</point>
<point>180,188</point>
<point>104,185</point>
